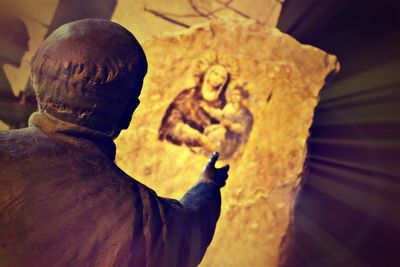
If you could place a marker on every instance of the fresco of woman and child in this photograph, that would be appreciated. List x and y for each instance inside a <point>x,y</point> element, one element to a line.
<point>211,116</point>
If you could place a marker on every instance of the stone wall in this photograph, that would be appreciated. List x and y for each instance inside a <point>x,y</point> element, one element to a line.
<point>283,78</point>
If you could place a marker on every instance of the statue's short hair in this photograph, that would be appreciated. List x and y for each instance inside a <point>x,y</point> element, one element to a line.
<point>88,72</point>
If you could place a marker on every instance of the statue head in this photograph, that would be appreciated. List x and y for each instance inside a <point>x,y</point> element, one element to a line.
<point>90,73</point>
<point>14,40</point>
<point>214,82</point>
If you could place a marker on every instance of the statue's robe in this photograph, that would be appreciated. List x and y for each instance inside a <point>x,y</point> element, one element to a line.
<point>64,202</point>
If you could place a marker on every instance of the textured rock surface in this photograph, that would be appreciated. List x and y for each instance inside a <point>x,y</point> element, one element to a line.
<point>146,18</point>
<point>283,79</point>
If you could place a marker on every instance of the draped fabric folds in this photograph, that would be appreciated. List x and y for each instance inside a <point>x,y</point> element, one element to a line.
<point>64,202</point>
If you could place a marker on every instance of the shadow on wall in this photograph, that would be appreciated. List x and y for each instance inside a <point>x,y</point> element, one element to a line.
<point>14,39</point>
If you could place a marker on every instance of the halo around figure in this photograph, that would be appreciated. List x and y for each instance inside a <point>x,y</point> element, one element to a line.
<point>213,58</point>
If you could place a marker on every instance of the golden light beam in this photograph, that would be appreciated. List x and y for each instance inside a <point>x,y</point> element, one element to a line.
<point>379,76</point>
<point>364,98</point>
<point>372,205</point>
<point>385,112</point>
<point>346,163</point>
<point>361,178</point>
<point>328,243</point>
<point>376,144</point>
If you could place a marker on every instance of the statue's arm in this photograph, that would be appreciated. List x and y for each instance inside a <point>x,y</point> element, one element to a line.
<point>190,223</point>
<point>202,206</point>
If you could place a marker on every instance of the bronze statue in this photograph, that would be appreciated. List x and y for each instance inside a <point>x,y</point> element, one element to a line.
<point>63,200</point>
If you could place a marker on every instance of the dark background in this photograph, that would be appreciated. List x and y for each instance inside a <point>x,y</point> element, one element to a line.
<point>348,211</point>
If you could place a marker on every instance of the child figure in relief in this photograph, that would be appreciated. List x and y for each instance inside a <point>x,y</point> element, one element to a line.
<point>236,122</point>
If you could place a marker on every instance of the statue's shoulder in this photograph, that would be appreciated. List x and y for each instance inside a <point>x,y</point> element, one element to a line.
<point>16,136</point>
<point>20,142</point>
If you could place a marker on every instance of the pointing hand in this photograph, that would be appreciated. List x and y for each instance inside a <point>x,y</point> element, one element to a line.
<point>212,174</point>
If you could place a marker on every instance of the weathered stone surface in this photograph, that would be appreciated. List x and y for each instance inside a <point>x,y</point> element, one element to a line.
<point>283,79</point>
<point>146,18</point>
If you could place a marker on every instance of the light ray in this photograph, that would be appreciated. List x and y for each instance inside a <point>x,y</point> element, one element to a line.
<point>363,167</point>
<point>372,205</point>
<point>380,183</point>
<point>328,243</point>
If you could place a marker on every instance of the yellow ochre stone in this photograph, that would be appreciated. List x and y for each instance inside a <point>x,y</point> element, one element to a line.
<point>282,79</point>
